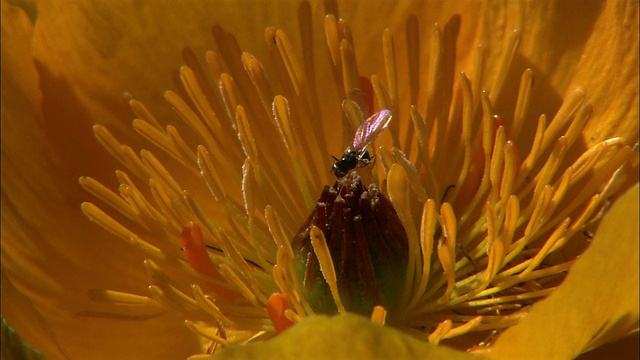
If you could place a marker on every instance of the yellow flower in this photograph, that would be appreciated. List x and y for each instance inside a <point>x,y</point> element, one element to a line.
<point>514,216</point>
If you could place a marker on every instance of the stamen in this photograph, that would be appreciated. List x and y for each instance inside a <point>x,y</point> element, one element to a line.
<point>379,315</point>
<point>562,117</point>
<point>534,153</point>
<point>290,74</point>
<point>427,229</point>
<point>210,174</point>
<point>285,268</point>
<point>435,89</point>
<point>281,114</point>
<point>166,294</point>
<point>586,214</point>
<point>556,236</point>
<point>176,212</point>
<point>464,328</point>
<point>196,253</point>
<point>206,332</point>
<point>497,309</point>
<point>350,76</point>
<point>290,289</point>
<point>230,52</point>
<point>412,173</point>
<point>512,276</point>
<point>423,134</point>
<point>305,24</point>
<point>478,74</point>
<point>158,138</point>
<point>607,166</point>
<point>354,116</point>
<point>147,216</point>
<point>117,297</point>
<point>447,249</point>
<point>199,99</point>
<point>122,153</point>
<point>216,69</point>
<point>487,146</point>
<point>384,154</point>
<point>510,171</point>
<point>159,172</point>
<point>440,332</point>
<point>510,298</point>
<point>106,222</point>
<point>141,111</point>
<point>539,211</point>
<point>245,134</point>
<point>326,265</point>
<point>577,125</point>
<point>289,314</point>
<point>284,284</point>
<point>290,61</point>
<point>230,95</point>
<point>190,118</point>
<point>399,195</point>
<point>277,306</point>
<point>522,104</point>
<point>551,166</point>
<point>508,53</point>
<point>127,313</point>
<point>413,59</point>
<point>496,165</point>
<point>95,188</point>
<point>388,51</point>
<point>333,40</point>
<point>465,146</point>
<point>385,101</point>
<point>495,248</point>
<point>254,69</point>
<point>503,321</point>
<point>345,32</point>
<point>277,231</point>
<point>232,278</point>
<point>206,304</point>
<point>511,218</point>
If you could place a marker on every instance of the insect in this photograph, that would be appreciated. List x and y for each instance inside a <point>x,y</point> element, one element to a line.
<point>357,153</point>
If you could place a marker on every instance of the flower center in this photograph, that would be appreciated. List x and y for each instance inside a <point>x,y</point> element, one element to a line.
<point>366,247</point>
<point>218,227</point>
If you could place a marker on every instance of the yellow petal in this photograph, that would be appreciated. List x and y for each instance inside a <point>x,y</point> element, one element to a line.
<point>51,255</point>
<point>597,303</point>
<point>569,45</point>
<point>93,51</point>
<point>21,100</point>
<point>340,337</point>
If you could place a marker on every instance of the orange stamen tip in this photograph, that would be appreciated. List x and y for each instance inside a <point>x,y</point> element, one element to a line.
<point>379,315</point>
<point>276,306</point>
<point>196,253</point>
<point>190,234</point>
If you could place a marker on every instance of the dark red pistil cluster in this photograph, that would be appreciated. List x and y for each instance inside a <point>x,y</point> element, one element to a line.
<point>368,246</point>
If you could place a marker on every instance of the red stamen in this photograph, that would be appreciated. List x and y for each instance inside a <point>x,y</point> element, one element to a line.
<point>497,122</point>
<point>196,252</point>
<point>276,306</point>
<point>517,154</point>
<point>367,89</point>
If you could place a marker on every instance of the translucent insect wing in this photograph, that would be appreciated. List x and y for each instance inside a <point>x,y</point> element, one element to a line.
<point>371,128</point>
